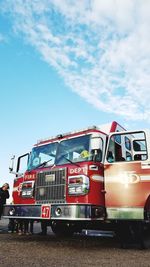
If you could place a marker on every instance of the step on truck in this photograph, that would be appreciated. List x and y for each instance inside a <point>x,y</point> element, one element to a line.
<point>95,178</point>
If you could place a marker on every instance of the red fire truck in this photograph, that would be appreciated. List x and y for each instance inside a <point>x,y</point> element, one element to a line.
<point>95,178</point>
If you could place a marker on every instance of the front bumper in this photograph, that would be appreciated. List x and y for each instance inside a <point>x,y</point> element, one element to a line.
<point>55,212</point>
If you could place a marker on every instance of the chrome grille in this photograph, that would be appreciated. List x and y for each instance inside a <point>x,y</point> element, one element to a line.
<point>50,186</point>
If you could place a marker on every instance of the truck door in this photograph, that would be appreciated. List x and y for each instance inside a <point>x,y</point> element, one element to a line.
<point>127,175</point>
<point>20,170</point>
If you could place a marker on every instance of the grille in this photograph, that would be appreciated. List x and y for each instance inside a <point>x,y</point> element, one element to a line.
<point>50,187</point>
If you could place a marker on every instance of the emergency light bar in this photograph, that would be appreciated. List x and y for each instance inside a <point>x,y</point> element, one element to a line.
<point>66,134</point>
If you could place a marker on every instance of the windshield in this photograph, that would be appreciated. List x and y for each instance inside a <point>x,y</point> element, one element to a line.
<point>73,150</point>
<point>41,154</point>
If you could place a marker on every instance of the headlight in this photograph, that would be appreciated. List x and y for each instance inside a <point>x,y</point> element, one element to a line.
<point>78,185</point>
<point>11,212</point>
<point>27,189</point>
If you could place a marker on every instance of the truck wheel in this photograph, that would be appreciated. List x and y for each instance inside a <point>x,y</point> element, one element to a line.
<point>132,234</point>
<point>62,230</point>
<point>143,235</point>
<point>124,234</point>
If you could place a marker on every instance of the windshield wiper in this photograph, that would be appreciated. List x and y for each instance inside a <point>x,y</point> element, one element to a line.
<point>71,161</point>
<point>41,164</point>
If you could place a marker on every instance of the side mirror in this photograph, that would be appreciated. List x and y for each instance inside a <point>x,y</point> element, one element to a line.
<point>11,167</point>
<point>96,147</point>
<point>96,141</point>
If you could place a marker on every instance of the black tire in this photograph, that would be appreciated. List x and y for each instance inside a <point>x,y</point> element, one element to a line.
<point>124,234</point>
<point>133,234</point>
<point>62,230</point>
<point>143,234</point>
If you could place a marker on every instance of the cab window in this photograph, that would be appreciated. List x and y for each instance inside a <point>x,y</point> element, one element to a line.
<point>131,147</point>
